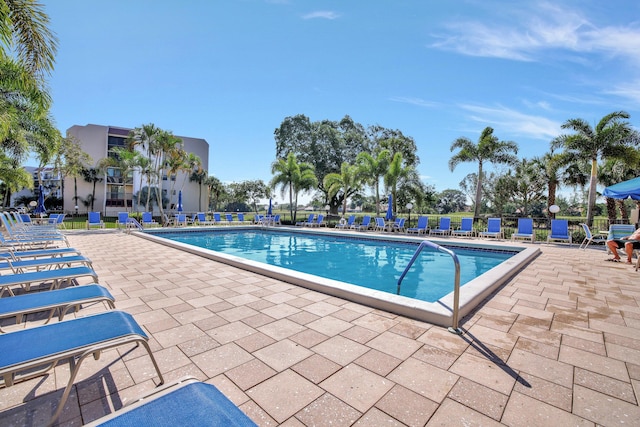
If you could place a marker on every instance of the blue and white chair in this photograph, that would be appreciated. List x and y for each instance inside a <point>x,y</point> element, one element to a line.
<point>466,228</point>
<point>524,231</point>
<point>494,229</point>
<point>559,231</point>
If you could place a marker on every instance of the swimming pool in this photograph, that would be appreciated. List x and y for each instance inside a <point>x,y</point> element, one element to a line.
<point>316,259</point>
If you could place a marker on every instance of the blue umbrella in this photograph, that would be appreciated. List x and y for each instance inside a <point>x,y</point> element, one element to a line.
<point>389,209</point>
<point>40,208</point>
<point>270,211</point>
<point>623,190</point>
<point>180,201</point>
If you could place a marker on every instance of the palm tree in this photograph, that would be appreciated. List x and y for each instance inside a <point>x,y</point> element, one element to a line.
<point>70,161</point>
<point>93,176</point>
<point>348,181</point>
<point>146,137</point>
<point>123,159</point>
<point>215,188</point>
<point>372,169</point>
<point>609,139</point>
<point>293,177</point>
<point>24,30</point>
<point>199,176</point>
<point>549,166</point>
<point>488,150</point>
<point>396,174</point>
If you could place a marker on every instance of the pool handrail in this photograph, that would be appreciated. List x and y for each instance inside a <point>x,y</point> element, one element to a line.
<point>456,289</point>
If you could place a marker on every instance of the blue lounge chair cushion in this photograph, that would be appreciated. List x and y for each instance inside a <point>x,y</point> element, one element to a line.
<point>47,300</point>
<point>194,404</point>
<point>32,344</point>
<point>8,280</point>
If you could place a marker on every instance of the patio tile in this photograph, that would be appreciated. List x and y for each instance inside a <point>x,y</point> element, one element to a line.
<point>375,417</point>
<point>357,387</point>
<point>378,362</point>
<point>407,406</point>
<point>557,372</point>
<point>328,410</point>
<point>451,412</point>
<point>178,335</point>
<point>316,368</point>
<point>619,389</point>
<point>221,359</point>
<point>282,354</point>
<point>281,329</point>
<point>424,379</point>
<point>545,391</point>
<point>284,394</point>
<point>594,363</point>
<point>249,374</point>
<point>479,398</point>
<point>394,345</point>
<point>496,376</point>
<point>341,350</point>
<point>329,325</point>
<point>230,332</point>
<point>526,411</point>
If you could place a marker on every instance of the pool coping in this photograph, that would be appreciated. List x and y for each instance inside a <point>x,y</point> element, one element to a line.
<point>438,313</point>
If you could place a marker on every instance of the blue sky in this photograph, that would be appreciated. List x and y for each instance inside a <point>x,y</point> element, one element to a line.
<point>230,71</point>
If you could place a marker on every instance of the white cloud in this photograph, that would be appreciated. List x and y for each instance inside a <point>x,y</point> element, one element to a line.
<point>630,90</point>
<point>413,101</point>
<point>529,33</point>
<point>514,122</point>
<point>322,14</point>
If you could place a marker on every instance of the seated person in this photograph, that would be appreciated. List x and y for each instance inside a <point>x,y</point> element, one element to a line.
<point>629,243</point>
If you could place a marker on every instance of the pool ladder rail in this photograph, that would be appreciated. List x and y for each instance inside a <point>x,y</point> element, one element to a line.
<point>454,329</point>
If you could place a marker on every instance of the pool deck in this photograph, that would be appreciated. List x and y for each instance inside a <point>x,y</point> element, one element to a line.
<point>559,344</point>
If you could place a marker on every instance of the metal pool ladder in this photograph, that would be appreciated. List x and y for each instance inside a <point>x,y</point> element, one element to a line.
<point>456,290</point>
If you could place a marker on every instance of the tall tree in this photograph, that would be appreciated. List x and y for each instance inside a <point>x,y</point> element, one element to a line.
<point>372,169</point>
<point>292,177</point>
<point>93,176</point>
<point>199,176</point>
<point>489,149</point>
<point>347,182</point>
<point>550,166</point>
<point>69,162</point>
<point>609,139</point>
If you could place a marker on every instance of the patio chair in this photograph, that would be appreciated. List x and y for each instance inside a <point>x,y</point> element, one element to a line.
<point>319,222</point>
<point>94,220</point>
<point>364,225</point>
<point>559,231</point>
<point>33,242</point>
<point>276,220</point>
<point>43,263</point>
<point>466,228</point>
<point>421,227</point>
<point>60,221</point>
<point>72,340</point>
<point>180,220</point>
<point>494,229</point>
<point>148,221</point>
<point>379,225</point>
<point>398,225</point>
<point>307,222</point>
<point>186,402</point>
<point>229,218</point>
<point>59,300</point>
<point>589,237</point>
<point>444,227</point>
<point>216,218</point>
<point>123,220</point>
<point>618,231</point>
<point>344,224</point>
<point>241,219</point>
<point>55,278</point>
<point>7,253</point>
<point>524,231</point>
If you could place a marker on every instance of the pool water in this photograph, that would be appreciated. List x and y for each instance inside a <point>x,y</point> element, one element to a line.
<point>364,262</point>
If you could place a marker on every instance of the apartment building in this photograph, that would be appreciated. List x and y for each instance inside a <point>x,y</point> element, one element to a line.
<point>115,193</point>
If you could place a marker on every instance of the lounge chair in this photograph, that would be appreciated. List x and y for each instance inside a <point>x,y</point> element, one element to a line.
<point>33,242</point>
<point>60,221</point>
<point>17,231</point>
<point>74,340</point>
<point>55,277</point>
<point>200,218</point>
<point>241,219</point>
<point>43,263</point>
<point>94,220</point>
<point>398,225</point>
<point>180,220</point>
<point>421,227</point>
<point>379,225</point>
<point>524,231</point>
<point>124,221</point>
<point>559,231</point>
<point>364,225</point>
<point>307,222</point>
<point>59,300</point>
<point>148,221</point>
<point>187,402</point>
<point>319,222</point>
<point>276,220</point>
<point>444,227</point>
<point>346,224</point>
<point>589,237</point>
<point>38,253</point>
<point>494,229</point>
<point>229,218</point>
<point>466,228</point>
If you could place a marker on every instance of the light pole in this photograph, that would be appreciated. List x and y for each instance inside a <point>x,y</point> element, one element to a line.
<point>409,207</point>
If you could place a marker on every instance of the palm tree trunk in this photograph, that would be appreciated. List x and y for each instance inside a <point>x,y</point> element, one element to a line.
<point>551,200</point>
<point>476,210</point>
<point>624,214</point>
<point>611,210</point>
<point>592,192</point>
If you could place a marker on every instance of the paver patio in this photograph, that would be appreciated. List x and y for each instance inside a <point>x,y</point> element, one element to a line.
<point>559,344</point>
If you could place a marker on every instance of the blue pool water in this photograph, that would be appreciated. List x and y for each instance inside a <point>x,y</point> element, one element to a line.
<point>364,262</point>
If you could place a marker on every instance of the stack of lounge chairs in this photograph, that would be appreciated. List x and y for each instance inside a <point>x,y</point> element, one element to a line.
<point>42,277</point>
